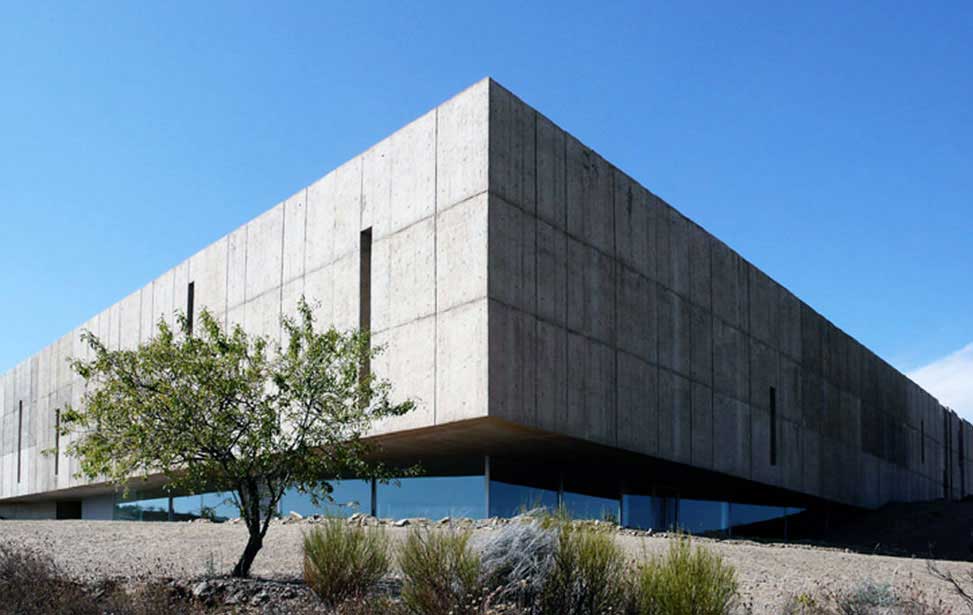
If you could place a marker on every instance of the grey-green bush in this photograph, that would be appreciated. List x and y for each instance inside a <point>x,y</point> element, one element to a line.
<point>589,575</point>
<point>684,581</point>
<point>342,561</point>
<point>867,598</point>
<point>517,560</point>
<point>440,573</point>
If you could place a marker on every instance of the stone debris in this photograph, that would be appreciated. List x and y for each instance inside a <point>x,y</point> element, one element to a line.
<point>465,523</point>
<point>202,589</point>
<point>249,592</point>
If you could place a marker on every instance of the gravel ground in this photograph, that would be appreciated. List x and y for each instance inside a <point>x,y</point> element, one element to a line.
<point>769,573</point>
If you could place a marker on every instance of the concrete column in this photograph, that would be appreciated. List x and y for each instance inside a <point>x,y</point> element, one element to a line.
<point>486,484</point>
<point>373,503</point>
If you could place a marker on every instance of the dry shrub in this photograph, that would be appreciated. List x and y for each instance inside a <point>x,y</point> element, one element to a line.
<point>441,574</point>
<point>343,562</point>
<point>684,581</point>
<point>589,575</point>
<point>152,598</point>
<point>517,561</point>
<point>31,584</point>
<point>867,598</point>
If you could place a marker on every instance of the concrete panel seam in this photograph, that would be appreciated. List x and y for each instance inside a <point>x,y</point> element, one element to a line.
<point>435,262</point>
<point>280,285</point>
<point>617,264</point>
<point>536,302</point>
<point>226,286</point>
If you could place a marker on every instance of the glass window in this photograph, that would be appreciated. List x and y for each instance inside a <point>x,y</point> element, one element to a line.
<point>509,500</point>
<point>580,506</point>
<point>433,497</point>
<point>646,512</point>
<point>186,507</point>
<point>349,497</point>
<point>747,514</point>
<point>218,507</point>
<point>153,509</point>
<point>697,516</point>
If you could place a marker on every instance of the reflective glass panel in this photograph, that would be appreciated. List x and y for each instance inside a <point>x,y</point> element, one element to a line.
<point>433,497</point>
<point>697,516</point>
<point>186,507</point>
<point>509,500</point>
<point>580,506</point>
<point>746,514</point>
<point>218,507</point>
<point>647,512</point>
<point>154,509</point>
<point>349,497</point>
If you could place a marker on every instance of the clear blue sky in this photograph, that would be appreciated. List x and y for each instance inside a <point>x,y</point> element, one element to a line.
<point>831,144</point>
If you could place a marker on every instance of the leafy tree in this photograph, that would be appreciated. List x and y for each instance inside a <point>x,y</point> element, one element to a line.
<point>228,410</point>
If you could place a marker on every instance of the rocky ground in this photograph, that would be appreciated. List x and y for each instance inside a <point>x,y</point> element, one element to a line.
<point>192,552</point>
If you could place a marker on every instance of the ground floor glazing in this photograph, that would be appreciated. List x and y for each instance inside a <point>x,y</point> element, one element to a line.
<point>490,490</point>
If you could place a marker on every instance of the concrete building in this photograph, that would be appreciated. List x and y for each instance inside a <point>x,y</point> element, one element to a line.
<point>567,333</point>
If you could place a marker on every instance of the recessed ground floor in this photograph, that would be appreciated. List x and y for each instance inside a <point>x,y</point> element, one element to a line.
<point>483,487</point>
<point>477,470</point>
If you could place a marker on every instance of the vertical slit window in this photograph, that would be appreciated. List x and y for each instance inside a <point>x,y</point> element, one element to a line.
<point>365,294</point>
<point>773,426</point>
<point>922,441</point>
<point>57,439</point>
<point>190,304</point>
<point>20,435</point>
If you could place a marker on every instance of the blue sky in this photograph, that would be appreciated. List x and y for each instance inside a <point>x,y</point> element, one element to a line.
<point>831,143</point>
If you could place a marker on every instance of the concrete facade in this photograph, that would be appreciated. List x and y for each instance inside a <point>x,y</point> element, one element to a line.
<point>526,288</point>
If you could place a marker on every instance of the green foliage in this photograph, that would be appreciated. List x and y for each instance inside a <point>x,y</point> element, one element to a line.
<point>589,575</point>
<point>225,409</point>
<point>552,518</point>
<point>343,562</point>
<point>685,581</point>
<point>441,573</point>
<point>803,604</point>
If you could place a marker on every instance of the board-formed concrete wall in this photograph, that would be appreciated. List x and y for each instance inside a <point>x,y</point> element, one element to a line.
<point>616,319</point>
<point>517,275</point>
<point>422,191</point>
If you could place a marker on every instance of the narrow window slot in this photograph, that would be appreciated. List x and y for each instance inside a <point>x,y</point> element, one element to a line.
<point>365,292</point>
<point>190,304</point>
<point>57,440</point>
<point>20,435</point>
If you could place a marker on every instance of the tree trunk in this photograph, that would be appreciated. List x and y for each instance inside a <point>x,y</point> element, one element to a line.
<point>242,568</point>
